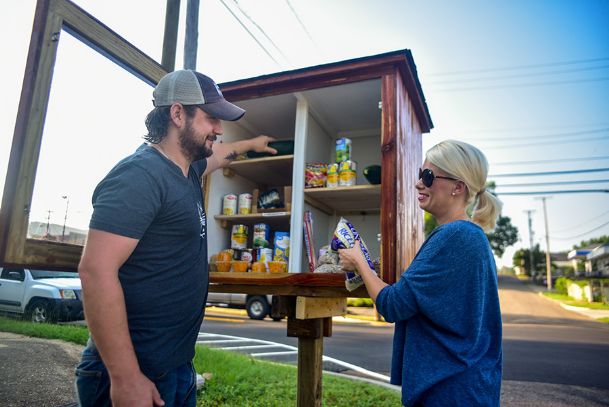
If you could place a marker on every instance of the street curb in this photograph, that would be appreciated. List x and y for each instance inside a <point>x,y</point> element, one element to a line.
<point>587,312</point>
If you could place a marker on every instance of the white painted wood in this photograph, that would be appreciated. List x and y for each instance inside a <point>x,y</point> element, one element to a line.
<point>296,222</point>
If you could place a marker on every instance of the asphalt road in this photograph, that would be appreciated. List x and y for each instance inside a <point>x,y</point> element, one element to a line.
<point>551,356</point>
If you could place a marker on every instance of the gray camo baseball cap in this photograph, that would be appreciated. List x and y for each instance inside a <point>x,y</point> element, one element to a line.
<point>193,88</point>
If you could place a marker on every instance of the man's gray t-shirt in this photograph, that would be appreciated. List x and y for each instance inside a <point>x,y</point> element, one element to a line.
<point>146,197</point>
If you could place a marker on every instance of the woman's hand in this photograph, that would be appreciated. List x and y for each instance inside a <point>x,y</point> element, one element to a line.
<point>351,258</point>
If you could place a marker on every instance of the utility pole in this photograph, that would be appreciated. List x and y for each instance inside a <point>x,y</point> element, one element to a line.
<point>48,234</point>
<point>530,220</point>
<point>65,218</point>
<point>548,262</point>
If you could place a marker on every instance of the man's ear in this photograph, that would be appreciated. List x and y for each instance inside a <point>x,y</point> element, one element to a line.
<point>177,115</point>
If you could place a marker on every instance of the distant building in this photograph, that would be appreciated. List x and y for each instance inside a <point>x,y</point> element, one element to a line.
<point>578,258</point>
<point>597,262</point>
<point>56,233</point>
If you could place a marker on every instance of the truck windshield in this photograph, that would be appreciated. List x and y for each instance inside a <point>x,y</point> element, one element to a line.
<point>38,274</point>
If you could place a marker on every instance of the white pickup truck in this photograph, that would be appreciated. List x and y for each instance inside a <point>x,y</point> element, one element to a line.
<point>257,306</point>
<point>41,295</point>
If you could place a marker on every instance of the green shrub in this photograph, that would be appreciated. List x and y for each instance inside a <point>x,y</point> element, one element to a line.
<point>562,285</point>
<point>360,302</point>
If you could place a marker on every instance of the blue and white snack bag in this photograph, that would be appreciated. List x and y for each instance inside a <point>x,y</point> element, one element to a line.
<point>344,237</point>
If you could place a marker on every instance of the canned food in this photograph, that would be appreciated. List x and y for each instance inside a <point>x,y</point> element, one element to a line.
<point>347,174</point>
<point>239,237</point>
<point>245,204</point>
<point>229,204</point>
<point>343,149</point>
<point>265,254</point>
<point>332,176</point>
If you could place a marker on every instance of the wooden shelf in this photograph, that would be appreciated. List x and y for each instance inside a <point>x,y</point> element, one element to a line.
<point>272,171</point>
<point>271,218</point>
<point>358,198</point>
<point>308,284</point>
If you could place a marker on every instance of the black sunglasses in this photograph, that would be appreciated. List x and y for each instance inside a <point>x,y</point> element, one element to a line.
<point>427,176</point>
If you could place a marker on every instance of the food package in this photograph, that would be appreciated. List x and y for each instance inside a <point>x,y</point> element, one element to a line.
<point>315,175</point>
<point>282,246</point>
<point>344,237</point>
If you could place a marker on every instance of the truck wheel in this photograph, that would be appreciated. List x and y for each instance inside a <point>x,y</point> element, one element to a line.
<point>257,307</point>
<point>40,311</point>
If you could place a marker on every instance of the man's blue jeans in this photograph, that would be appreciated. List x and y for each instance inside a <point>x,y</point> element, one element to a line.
<point>177,387</point>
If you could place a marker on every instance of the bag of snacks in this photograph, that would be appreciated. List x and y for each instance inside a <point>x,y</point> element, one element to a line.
<point>344,237</point>
<point>315,175</point>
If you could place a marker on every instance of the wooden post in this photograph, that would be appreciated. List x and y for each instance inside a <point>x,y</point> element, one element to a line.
<point>310,319</point>
<point>170,38</point>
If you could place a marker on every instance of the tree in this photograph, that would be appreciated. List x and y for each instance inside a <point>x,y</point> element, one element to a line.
<point>504,235</point>
<point>522,259</point>
<point>597,240</point>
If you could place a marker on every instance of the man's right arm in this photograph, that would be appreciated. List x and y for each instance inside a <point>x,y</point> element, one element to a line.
<point>106,316</point>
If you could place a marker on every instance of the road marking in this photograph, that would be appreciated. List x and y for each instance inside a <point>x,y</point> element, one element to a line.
<point>212,339</point>
<point>247,347</point>
<point>224,319</point>
<point>260,355</point>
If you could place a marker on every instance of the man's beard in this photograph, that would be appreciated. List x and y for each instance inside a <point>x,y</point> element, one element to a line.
<point>190,146</point>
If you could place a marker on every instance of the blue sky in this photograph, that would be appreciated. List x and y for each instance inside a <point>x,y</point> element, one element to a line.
<point>522,80</point>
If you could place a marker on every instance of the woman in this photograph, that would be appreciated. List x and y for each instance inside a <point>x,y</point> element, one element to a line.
<point>447,342</point>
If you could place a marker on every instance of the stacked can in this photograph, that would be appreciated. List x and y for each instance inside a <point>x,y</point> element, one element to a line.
<point>345,168</point>
<point>229,204</point>
<point>245,204</point>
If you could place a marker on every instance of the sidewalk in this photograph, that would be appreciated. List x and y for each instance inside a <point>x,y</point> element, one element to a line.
<point>588,312</point>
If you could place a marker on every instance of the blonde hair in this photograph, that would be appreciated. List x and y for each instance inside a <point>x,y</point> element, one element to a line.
<point>467,163</point>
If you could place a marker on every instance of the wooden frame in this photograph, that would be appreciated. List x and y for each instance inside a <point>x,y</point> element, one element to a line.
<point>50,19</point>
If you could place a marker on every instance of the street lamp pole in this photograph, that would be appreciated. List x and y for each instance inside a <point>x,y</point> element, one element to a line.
<point>65,218</point>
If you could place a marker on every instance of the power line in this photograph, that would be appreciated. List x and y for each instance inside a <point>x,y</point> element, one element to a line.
<point>528,174</point>
<point>521,85</point>
<point>581,223</point>
<point>511,68</point>
<point>260,29</point>
<point>537,184</point>
<point>575,191</point>
<point>558,160</point>
<point>523,75</point>
<point>544,136</point>
<point>582,234</point>
<point>545,143</point>
<point>249,32</point>
<point>304,28</point>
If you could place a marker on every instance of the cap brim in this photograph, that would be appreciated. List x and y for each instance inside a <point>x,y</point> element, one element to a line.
<point>223,110</point>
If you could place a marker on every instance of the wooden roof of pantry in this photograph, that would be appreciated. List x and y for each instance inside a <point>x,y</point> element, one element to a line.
<point>336,73</point>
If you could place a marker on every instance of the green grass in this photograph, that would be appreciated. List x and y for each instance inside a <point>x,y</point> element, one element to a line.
<point>237,380</point>
<point>605,320</point>
<point>570,301</point>
<point>69,333</point>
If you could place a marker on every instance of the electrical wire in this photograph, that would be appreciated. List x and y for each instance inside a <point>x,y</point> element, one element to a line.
<point>545,143</point>
<point>581,234</point>
<point>304,28</point>
<point>581,223</point>
<point>521,85</point>
<point>544,136</point>
<point>511,68</point>
<point>261,30</point>
<point>523,75</point>
<point>575,191</point>
<point>537,184</point>
<point>557,160</point>
<point>249,32</point>
<point>528,174</point>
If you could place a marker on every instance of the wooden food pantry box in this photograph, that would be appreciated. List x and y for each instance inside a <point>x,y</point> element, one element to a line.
<point>378,104</point>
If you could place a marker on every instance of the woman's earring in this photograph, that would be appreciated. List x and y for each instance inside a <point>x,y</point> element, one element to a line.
<point>453,194</point>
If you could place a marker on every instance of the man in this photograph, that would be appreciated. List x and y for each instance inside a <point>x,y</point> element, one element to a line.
<point>144,266</point>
